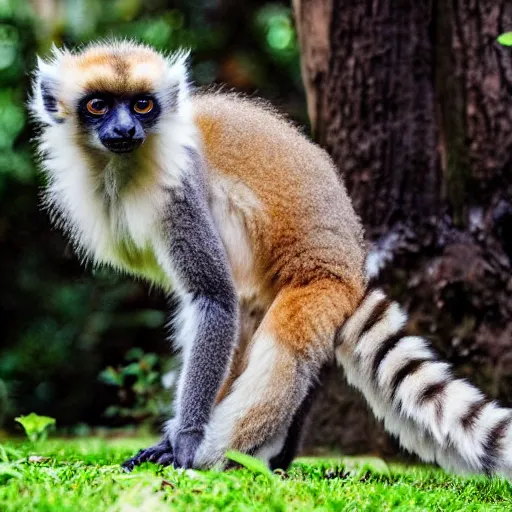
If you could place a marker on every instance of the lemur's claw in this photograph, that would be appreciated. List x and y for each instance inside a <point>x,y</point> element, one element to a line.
<point>166,459</point>
<point>161,454</point>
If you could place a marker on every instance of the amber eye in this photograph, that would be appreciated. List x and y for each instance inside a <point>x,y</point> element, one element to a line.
<point>97,106</point>
<point>143,106</point>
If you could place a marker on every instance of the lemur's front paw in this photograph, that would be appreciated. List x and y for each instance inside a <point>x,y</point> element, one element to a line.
<point>185,446</point>
<point>161,453</point>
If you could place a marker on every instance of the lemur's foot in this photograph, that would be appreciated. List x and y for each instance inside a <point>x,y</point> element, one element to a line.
<point>185,445</point>
<point>160,453</point>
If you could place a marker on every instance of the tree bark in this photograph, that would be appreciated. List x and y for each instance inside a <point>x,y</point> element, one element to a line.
<point>413,101</point>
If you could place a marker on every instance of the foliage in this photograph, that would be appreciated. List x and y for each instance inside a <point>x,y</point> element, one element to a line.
<point>8,455</point>
<point>85,475</point>
<point>505,39</point>
<point>36,427</point>
<point>252,463</point>
<point>141,381</point>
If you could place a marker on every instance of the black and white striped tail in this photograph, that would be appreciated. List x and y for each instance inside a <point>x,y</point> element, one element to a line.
<point>439,417</point>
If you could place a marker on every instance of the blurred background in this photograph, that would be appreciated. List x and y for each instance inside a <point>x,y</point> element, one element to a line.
<point>414,104</point>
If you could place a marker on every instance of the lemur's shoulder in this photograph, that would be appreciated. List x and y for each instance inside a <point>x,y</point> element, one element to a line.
<point>248,140</point>
<point>250,129</point>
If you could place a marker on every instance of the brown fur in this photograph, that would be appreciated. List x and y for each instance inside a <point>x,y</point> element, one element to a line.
<point>111,69</point>
<point>100,71</point>
<point>306,230</point>
<point>307,245</point>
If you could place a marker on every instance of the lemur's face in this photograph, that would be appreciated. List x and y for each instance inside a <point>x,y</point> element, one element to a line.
<point>121,122</point>
<point>109,98</point>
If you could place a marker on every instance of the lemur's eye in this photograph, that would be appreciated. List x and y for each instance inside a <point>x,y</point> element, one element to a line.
<point>143,106</point>
<point>97,106</point>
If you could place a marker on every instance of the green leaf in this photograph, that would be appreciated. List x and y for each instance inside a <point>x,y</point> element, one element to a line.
<point>35,426</point>
<point>7,472</point>
<point>150,359</point>
<point>134,354</point>
<point>251,463</point>
<point>8,453</point>
<point>111,376</point>
<point>112,411</point>
<point>505,39</point>
<point>132,369</point>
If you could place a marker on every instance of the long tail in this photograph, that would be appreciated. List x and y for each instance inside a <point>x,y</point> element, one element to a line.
<point>439,417</point>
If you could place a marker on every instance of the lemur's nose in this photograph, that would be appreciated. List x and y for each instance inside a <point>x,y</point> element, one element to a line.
<point>125,131</point>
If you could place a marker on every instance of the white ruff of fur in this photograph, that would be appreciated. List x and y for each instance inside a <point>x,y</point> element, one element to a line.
<point>103,218</point>
<point>96,219</point>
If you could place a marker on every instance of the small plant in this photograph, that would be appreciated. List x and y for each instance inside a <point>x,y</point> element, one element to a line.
<point>36,427</point>
<point>251,463</point>
<point>505,39</point>
<point>140,389</point>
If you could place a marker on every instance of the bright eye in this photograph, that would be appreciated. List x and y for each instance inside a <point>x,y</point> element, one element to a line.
<point>143,106</point>
<point>97,106</point>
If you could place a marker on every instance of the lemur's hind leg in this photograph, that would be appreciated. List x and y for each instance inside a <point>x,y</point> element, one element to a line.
<point>294,340</point>
<point>294,435</point>
<point>250,318</point>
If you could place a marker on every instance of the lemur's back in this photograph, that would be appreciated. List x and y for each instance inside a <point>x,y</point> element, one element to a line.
<point>308,215</point>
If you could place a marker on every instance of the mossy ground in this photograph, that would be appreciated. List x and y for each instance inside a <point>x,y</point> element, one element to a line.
<point>84,475</point>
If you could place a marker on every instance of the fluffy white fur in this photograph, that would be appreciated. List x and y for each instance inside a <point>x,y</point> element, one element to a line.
<point>108,224</point>
<point>232,203</point>
<point>102,222</point>
<point>186,325</point>
<point>359,374</point>
<point>67,86</point>
<point>255,383</point>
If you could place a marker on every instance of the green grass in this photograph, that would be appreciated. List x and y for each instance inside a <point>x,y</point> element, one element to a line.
<point>84,475</point>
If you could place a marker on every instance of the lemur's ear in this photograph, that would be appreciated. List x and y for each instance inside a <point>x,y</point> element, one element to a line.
<point>44,103</point>
<point>176,79</point>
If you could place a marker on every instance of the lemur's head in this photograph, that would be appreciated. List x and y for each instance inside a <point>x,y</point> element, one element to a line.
<point>110,95</point>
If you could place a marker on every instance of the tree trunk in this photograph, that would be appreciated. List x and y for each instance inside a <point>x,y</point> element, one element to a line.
<point>413,101</point>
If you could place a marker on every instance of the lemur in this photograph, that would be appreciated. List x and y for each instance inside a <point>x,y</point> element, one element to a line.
<point>221,201</point>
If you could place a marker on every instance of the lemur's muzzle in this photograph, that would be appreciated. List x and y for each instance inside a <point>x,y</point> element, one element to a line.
<point>122,132</point>
<point>122,145</point>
